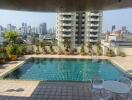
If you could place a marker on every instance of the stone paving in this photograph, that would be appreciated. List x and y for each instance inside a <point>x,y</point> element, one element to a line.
<point>48,91</point>
<point>52,91</point>
<point>17,88</point>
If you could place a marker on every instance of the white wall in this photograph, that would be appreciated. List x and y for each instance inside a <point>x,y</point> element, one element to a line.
<point>127,51</point>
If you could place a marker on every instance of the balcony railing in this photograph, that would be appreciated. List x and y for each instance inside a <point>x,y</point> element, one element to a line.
<point>94,30</point>
<point>91,40</point>
<point>95,14</point>
<point>64,24</point>
<point>66,35</point>
<point>66,30</point>
<point>91,35</point>
<point>66,18</point>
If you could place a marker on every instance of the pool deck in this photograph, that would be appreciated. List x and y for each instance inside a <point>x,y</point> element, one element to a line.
<point>35,90</point>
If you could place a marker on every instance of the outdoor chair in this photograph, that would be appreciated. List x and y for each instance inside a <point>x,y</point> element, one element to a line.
<point>128,82</point>
<point>97,86</point>
<point>105,95</point>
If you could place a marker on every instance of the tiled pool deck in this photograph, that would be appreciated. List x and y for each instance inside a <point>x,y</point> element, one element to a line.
<point>35,90</point>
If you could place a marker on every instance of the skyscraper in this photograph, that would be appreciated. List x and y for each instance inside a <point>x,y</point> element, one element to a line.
<point>11,28</point>
<point>43,29</point>
<point>80,28</point>
<point>23,29</point>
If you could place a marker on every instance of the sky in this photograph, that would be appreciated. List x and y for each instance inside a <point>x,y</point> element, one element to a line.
<point>119,18</point>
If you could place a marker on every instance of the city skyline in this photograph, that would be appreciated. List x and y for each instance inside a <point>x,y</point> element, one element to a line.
<point>118,18</point>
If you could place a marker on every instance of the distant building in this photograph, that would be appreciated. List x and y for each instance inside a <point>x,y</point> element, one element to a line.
<point>1,35</point>
<point>43,28</point>
<point>23,29</point>
<point>29,30</point>
<point>11,28</point>
<point>118,41</point>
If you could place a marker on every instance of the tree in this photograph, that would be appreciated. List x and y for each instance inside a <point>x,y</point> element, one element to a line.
<point>90,48</point>
<point>98,48</point>
<point>11,37</point>
<point>43,46</point>
<point>37,43</point>
<point>82,50</point>
<point>13,49</point>
<point>67,44</point>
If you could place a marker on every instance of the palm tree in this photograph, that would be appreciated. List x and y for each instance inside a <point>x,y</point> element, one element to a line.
<point>82,50</point>
<point>43,46</point>
<point>13,48</point>
<point>37,43</point>
<point>90,48</point>
<point>67,44</point>
<point>99,51</point>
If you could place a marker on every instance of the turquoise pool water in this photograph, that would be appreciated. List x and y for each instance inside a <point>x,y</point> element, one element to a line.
<point>65,70</point>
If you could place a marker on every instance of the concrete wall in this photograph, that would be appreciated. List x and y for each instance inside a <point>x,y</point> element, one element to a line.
<point>127,51</point>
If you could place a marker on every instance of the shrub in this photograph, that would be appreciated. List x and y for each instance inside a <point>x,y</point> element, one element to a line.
<point>11,37</point>
<point>82,50</point>
<point>3,55</point>
<point>13,49</point>
<point>110,53</point>
<point>122,54</point>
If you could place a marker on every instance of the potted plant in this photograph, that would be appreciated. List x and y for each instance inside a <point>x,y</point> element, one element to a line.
<point>98,49</point>
<point>13,51</point>
<point>67,46</point>
<point>2,55</point>
<point>82,50</point>
<point>51,49</point>
<point>90,49</point>
<point>110,53</point>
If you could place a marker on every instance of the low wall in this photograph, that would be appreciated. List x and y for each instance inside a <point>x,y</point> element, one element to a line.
<point>127,51</point>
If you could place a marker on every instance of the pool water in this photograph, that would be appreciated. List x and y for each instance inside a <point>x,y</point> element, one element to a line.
<point>65,70</point>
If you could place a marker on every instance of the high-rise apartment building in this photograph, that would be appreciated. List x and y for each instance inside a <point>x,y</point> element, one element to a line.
<point>80,28</point>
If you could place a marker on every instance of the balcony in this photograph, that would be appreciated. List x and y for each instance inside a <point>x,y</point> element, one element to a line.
<point>66,30</point>
<point>91,35</point>
<point>66,35</point>
<point>66,13</point>
<point>94,19</point>
<point>94,30</point>
<point>64,18</point>
<point>64,24</point>
<point>93,25</point>
<point>91,40</point>
<point>95,14</point>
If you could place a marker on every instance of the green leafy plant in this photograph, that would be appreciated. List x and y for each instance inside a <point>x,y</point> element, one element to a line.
<point>82,50</point>
<point>37,43</point>
<point>90,49</point>
<point>51,49</point>
<point>110,53</point>
<point>99,49</point>
<point>13,49</point>
<point>43,46</point>
<point>11,37</point>
<point>3,55</point>
<point>67,44</point>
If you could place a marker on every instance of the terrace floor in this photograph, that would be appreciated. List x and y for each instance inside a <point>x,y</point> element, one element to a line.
<point>33,90</point>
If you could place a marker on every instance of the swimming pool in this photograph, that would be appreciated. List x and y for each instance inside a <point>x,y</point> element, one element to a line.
<point>65,70</point>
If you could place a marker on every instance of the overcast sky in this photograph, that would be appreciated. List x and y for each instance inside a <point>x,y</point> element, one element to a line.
<point>114,17</point>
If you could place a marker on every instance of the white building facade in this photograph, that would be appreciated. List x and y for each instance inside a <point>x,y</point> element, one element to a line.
<point>80,28</point>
